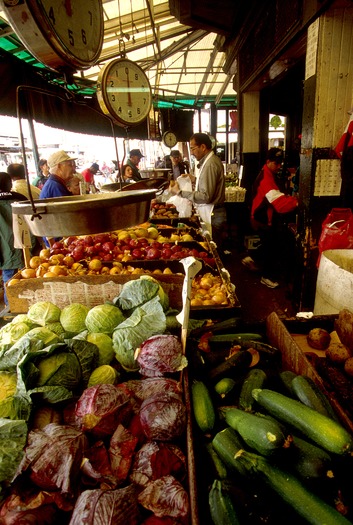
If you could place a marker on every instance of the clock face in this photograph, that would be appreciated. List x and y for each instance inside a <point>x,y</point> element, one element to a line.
<point>59,33</point>
<point>124,92</point>
<point>169,139</point>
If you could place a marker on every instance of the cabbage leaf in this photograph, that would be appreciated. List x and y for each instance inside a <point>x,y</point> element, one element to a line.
<point>136,293</point>
<point>145,321</point>
<point>13,436</point>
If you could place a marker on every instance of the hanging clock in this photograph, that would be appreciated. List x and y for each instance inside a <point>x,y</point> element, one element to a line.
<point>124,92</point>
<point>169,139</point>
<point>59,34</point>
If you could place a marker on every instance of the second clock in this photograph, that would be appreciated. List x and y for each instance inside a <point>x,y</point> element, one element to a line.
<point>124,92</point>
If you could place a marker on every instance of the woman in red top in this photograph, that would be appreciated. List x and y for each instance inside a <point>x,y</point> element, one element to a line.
<point>268,209</point>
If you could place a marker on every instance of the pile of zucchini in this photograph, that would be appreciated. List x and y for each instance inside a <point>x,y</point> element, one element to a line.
<point>272,441</point>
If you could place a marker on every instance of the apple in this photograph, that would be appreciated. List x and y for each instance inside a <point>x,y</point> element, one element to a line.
<point>88,240</point>
<point>134,243</point>
<point>153,253</point>
<point>90,251</point>
<point>156,244</point>
<point>167,245</point>
<point>108,246</point>
<point>137,253</point>
<point>176,248</point>
<point>193,253</point>
<point>78,253</point>
<point>57,245</point>
<point>176,255</point>
<point>166,253</point>
<point>108,257</point>
<point>70,240</point>
<point>203,255</point>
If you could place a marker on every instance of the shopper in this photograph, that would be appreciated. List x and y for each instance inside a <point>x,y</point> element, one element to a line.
<point>133,161</point>
<point>43,170</point>
<point>179,166</point>
<point>209,194</point>
<point>19,182</point>
<point>126,173</point>
<point>73,185</point>
<point>88,174</point>
<point>11,258</point>
<point>62,168</point>
<point>268,210</point>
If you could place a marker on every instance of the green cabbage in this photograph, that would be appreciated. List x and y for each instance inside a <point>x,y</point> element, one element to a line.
<point>135,293</point>
<point>23,318</point>
<point>145,321</point>
<point>13,436</point>
<point>56,328</point>
<point>163,297</point>
<point>8,385</point>
<point>104,374</point>
<point>105,347</point>
<point>73,317</point>
<point>13,332</point>
<point>104,318</point>
<point>59,369</point>
<point>44,312</point>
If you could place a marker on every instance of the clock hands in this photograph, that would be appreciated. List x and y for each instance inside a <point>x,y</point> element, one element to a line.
<point>129,102</point>
<point>68,7</point>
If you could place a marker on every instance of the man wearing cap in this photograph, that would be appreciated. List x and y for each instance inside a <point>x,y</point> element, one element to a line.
<point>133,161</point>
<point>89,173</point>
<point>179,166</point>
<point>268,206</point>
<point>62,168</point>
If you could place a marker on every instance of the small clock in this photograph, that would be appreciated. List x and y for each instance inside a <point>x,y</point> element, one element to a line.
<point>59,34</point>
<point>169,139</point>
<point>124,92</point>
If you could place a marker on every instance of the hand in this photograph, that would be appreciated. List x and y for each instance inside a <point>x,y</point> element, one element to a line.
<point>173,187</point>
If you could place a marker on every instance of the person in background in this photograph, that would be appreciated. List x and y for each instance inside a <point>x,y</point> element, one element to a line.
<point>11,258</point>
<point>269,208</point>
<point>179,166</point>
<point>62,168</point>
<point>73,185</point>
<point>159,163</point>
<point>19,181</point>
<point>209,194</point>
<point>133,161</point>
<point>88,174</point>
<point>43,170</point>
<point>126,173</point>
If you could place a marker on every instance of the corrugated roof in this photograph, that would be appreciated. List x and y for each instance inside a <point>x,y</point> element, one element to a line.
<point>184,65</point>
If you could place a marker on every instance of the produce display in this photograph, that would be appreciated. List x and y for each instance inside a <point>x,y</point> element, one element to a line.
<point>92,430</point>
<point>269,444</point>
<point>163,210</point>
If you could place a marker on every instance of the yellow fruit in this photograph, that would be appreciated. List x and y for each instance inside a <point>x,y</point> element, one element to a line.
<point>152,232</point>
<point>44,254</point>
<point>141,232</point>
<point>187,237</point>
<point>95,264</point>
<point>49,275</point>
<point>68,261</point>
<point>12,282</point>
<point>28,273</point>
<point>35,261</point>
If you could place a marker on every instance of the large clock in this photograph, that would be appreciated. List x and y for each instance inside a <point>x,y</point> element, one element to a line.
<point>60,34</point>
<point>124,92</point>
<point>169,139</point>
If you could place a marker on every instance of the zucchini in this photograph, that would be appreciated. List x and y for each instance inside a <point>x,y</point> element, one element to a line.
<point>227,443</point>
<point>238,363</point>
<point>286,378</point>
<point>202,404</point>
<point>307,391</point>
<point>219,326</point>
<point>290,489</point>
<point>221,506</point>
<point>310,461</point>
<point>217,464</point>
<point>259,432</point>
<point>255,379</point>
<point>225,386</point>
<point>325,432</point>
<point>235,338</point>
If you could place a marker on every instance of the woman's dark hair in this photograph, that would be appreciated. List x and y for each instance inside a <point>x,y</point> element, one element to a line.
<point>202,138</point>
<point>41,163</point>
<point>5,181</point>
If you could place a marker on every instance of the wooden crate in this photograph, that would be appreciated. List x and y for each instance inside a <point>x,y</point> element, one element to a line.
<point>293,358</point>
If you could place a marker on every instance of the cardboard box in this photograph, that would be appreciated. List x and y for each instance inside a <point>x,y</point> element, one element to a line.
<point>90,290</point>
<point>293,358</point>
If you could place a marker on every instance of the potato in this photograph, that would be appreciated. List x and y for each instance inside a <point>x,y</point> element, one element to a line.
<point>337,353</point>
<point>348,366</point>
<point>318,338</point>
